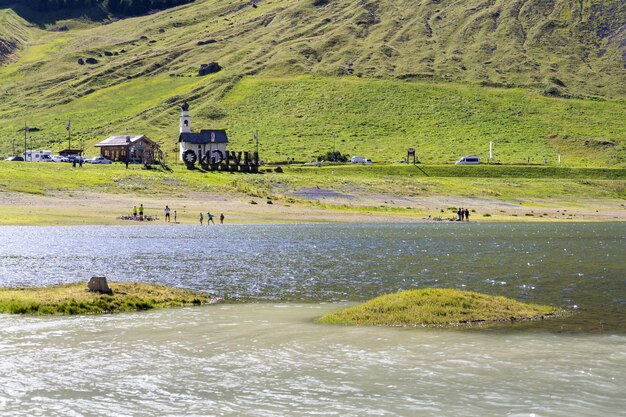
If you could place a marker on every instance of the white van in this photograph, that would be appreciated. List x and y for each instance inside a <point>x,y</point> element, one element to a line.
<point>37,156</point>
<point>468,160</point>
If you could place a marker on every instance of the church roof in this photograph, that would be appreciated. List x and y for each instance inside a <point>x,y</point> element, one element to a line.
<point>204,136</point>
<point>121,140</point>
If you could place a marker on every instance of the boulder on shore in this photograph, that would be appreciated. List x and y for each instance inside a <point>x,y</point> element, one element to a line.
<point>99,284</point>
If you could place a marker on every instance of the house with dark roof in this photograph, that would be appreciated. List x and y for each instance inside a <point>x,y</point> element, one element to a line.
<point>131,148</point>
<point>194,146</point>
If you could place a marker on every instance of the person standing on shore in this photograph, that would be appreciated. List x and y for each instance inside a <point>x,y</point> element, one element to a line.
<point>167,214</point>
<point>175,217</point>
<point>459,214</point>
<point>135,212</point>
<point>221,218</point>
<point>209,218</point>
<point>466,215</point>
<point>201,218</point>
<point>141,211</point>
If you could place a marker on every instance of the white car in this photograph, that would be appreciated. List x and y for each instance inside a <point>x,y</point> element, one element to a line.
<point>360,160</point>
<point>468,160</point>
<point>98,160</point>
<point>59,158</point>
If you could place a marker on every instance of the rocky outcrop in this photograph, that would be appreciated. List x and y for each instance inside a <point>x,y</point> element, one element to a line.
<point>211,68</point>
<point>7,48</point>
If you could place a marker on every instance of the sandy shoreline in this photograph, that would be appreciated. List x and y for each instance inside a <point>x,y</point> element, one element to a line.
<point>83,207</point>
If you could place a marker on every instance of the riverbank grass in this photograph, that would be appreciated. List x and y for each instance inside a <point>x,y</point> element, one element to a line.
<point>75,298</point>
<point>438,307</point>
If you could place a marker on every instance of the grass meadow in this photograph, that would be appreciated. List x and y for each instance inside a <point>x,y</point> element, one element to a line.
<point>498,181</point>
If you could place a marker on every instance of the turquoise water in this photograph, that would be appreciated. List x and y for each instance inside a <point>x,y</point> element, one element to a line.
<point>262,354</point>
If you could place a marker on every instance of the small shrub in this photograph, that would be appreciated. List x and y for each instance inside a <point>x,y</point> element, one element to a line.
<point>333,157</point>
<point>253,202</point>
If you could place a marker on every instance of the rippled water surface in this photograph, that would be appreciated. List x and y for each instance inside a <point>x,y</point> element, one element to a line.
<point>581,266</point>
<point>269,357</point>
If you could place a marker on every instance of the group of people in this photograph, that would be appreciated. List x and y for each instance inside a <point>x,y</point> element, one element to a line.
<point>167,215</point>
<point>138,215</point>
<point>462,213</point>
<point>209,218</point>
<point>138,212</point>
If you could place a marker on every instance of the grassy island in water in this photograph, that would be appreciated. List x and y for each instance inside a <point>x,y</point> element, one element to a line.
<point>75,298</point>
<point>438,307</point>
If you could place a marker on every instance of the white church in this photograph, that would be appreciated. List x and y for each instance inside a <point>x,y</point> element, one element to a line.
<point>195,146</point>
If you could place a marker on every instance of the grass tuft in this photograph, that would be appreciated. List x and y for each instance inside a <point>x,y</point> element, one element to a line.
<point>72,299</point>
<point>438,307</point>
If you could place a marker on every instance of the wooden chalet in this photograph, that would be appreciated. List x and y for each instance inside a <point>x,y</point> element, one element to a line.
<point>131,148</point>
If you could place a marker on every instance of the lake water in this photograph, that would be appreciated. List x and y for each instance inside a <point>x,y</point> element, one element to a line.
<point>261,352</point>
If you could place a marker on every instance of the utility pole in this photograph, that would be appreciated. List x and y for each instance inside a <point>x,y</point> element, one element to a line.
<point>25,132</point>
<point>334,147</point>
<point>210,158</point>
<point>68,127</point>
<point>256,138</point>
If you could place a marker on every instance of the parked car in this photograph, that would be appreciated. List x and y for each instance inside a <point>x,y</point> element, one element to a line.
<point>15,159</point>
<point>59,158</point>
<point>360,160</point>
<point>98,160</point>
<point>468,160</point>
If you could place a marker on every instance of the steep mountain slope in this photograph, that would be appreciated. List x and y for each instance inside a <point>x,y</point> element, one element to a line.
<point>14,32</point>
<point>143,66</point>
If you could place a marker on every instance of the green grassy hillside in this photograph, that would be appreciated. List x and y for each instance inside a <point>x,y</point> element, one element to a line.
<point>384,75</point>
<point>296,117</point>
<point>14,33</point>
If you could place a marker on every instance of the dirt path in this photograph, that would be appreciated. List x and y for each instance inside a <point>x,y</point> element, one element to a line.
<point>311,206</point>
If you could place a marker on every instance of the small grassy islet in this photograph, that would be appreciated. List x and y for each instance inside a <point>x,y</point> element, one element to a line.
<point>438,307</point>
<point>75,298</point>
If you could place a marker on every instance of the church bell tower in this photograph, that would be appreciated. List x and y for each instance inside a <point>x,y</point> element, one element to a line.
<point>185,119</point>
